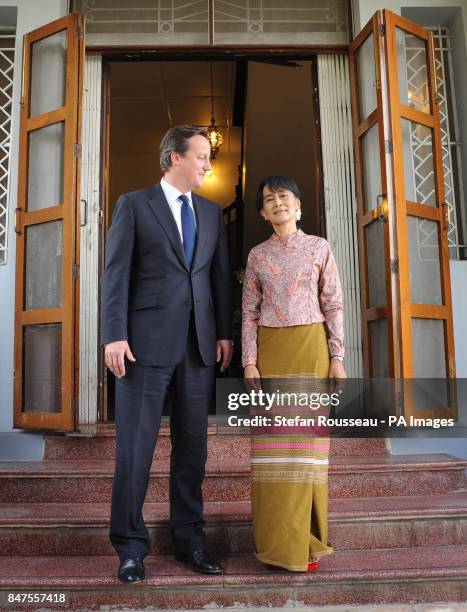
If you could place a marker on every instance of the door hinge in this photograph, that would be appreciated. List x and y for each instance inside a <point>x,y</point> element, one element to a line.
<point>75,271</point>
<point>79,28</point>
<point>395,266</point>
<point>75,405</point>
<point>382,29</point>
<point>77,149</point>
<point>399,400</point>
<point>388,145</point>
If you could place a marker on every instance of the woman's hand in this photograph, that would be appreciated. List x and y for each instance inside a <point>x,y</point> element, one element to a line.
<point>252,378</point>
<point>337,373</point>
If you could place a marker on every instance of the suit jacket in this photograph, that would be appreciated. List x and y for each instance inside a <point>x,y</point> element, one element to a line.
<point>147,289</point>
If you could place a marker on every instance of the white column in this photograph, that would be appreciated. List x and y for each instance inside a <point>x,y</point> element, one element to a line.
<point>89,236</point>
<point>339,195</point>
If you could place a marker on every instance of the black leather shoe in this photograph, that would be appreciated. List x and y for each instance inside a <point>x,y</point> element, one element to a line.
<point>131,570</point>
<point>200,561</point>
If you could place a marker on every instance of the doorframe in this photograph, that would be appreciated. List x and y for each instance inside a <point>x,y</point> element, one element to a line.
<point>226,53</point>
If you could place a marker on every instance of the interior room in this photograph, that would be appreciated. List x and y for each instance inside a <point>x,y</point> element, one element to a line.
<point>146,98</point>
<point>274,103</point>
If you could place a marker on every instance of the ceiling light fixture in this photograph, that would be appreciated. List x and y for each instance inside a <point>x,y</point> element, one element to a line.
<point>214,136</point>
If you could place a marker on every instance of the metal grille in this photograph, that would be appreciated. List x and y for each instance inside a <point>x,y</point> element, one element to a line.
<point>449,130</point>
<point>340,195</point>
<point>145,22</point>
<point>422,146</point>
<point>7,58</point>
<point>279,21</point>
<point>169,22</point>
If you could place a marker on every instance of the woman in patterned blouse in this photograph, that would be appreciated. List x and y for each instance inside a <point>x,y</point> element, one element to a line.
<point>292,329</point>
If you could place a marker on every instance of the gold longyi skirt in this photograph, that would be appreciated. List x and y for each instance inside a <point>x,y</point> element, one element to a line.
<point>290,466</point>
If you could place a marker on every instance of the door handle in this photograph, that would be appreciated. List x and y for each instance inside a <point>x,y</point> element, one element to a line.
<point>381,210</point>
<point>17,225</point>
<point>446,216</point>
<point>85,215</point>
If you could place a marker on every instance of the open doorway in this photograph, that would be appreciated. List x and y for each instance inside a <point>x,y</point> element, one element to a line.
<point>267,112</point>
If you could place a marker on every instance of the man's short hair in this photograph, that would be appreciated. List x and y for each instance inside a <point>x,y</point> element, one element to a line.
<point>176,141</point>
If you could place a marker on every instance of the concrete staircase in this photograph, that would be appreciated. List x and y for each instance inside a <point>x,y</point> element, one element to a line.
<point>398,525</point>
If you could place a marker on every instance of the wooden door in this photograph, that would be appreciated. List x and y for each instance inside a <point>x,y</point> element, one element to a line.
<point>45,224</point>
<point>406,294</point>
<point>424,288</point>
<point>374,222</point>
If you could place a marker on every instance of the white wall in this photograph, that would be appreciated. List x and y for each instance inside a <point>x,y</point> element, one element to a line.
<point>362,10</point>
<point>31,15</point>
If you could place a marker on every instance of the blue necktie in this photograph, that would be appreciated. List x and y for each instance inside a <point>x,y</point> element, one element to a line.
<point>188,229</point>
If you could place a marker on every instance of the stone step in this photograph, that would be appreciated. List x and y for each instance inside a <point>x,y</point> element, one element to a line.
<point>229,479</point>
<point>361,523</point>
<point>99,444</point>
<point>431,574</point>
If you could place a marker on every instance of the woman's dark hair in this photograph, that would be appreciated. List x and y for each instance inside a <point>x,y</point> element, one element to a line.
<point>274,183</point>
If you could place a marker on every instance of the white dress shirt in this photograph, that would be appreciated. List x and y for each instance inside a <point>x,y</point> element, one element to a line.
<point>172,194</point>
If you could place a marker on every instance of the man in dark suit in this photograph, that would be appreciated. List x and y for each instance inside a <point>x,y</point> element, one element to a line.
<point>166,310</point>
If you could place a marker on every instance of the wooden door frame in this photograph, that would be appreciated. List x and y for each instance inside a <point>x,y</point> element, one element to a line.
<point>404,208</point>
<point>225,53</point>
<point>365,218</point>
<point>66,210</point>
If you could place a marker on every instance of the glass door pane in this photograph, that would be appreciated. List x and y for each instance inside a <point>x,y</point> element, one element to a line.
<point>412,58</point>
<point>374,240</point>
<point>46,163</point>
<point>42,368</point>
<point>424,261</point>
<point>365,56</point>
<point>371,166</point>
<point>44,265</point>
<point>419,175</point>
<point>48,57</point>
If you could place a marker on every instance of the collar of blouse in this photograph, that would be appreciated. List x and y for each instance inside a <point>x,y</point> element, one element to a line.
<point>292,239</point>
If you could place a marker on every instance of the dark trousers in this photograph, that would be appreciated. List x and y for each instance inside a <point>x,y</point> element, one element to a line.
<point>140,396</point>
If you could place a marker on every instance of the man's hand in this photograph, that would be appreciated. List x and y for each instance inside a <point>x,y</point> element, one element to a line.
<point>224,351</point>
<point>252,378</point>
<point>115,353</point>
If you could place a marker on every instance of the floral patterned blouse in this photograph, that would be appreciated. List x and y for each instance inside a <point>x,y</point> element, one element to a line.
<point>291,284</point>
